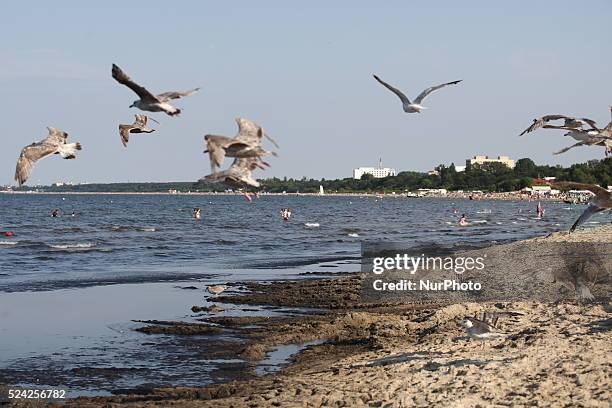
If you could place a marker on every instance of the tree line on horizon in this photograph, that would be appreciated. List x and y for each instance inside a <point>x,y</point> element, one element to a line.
<point>490,177</point>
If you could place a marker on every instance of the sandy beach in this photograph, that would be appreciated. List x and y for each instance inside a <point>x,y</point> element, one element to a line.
<point>402,354</point>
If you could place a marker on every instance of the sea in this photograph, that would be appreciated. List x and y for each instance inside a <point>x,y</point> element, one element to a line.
<point>72,286</point>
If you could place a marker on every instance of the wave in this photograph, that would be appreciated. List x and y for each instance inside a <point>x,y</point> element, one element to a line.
<point>312,225</point>
<point>297,261</point>
<point>9,243</point>
<point>78,246</point>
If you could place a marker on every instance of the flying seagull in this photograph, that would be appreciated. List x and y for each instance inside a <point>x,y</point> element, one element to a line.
<point>569,123</point>
<point>148,101</point>
<point>139,126</point>
<point>601,202</point>
<point>590,140</point>
<point>247,143</point>
<point>54,143</point>
<point>415,106</point>
<point>239,174</point>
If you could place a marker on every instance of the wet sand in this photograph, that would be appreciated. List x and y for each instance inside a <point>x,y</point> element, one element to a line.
<point>401,354</point>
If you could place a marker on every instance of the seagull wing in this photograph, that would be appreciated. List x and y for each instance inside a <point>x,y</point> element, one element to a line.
<point>166,96</point>
<point>570,123</point>
<point>124,133</point>
<point>249,132</point>
<point>215,147</point>
<point>600,192</point>
<point>55,137</point>
<point>396,91</point>
<point>29,156</point>
<point>141,91</point>
<point>569,147</point>
<point>140,120</point>
<point>429,90</point>
<point>241,171</point>
<point>588,213</point>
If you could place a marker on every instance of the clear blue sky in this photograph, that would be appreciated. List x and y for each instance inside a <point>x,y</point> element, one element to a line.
<point>303,71</point>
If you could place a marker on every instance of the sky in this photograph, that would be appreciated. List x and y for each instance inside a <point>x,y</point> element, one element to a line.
<point>302,70</point>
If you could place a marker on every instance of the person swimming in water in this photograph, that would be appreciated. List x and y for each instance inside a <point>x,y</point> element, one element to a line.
<point>197,213</point>
<point>463,221</point>
<point>285,213</point>
<point>539,210</point>
<point>55,213</point>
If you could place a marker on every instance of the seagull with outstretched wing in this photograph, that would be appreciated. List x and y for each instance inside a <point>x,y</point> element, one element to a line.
<point>584,130</point>
<point>414,106</point>
<point>54,143</point>
<point>605,141</point>
<point>139,126</point>
<point>569,123</point>
<point>148,101</point>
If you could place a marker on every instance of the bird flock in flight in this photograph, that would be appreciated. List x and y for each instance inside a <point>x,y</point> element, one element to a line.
<point>246,147</point>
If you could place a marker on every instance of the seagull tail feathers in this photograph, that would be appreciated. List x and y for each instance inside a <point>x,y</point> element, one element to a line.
<point>68,151</point>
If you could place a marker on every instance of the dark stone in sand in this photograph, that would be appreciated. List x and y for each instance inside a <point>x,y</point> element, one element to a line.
<point>172,327</point>
<point>236,320</point>
<point>253,352</point>
<point>206,309</point>
<point>186,287</point>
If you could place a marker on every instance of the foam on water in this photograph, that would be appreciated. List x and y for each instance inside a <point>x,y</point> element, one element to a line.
<point>83,245</point>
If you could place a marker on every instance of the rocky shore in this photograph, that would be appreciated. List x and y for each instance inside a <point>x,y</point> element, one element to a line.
<point>389,354</point>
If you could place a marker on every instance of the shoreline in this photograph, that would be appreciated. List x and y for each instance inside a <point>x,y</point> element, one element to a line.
<point>405,353</point>
<point>512,196</point>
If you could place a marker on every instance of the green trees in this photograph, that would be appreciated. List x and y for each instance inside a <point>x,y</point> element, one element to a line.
<point>486,177</point>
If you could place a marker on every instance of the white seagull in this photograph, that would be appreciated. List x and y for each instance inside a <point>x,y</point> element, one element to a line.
<point>55,143</point>
<point>414,106</point>
<point>148,101</point>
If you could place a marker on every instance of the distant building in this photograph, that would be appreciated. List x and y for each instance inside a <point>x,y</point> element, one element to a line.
<point>460,169</point>
<point>377,172</point>
<point>486,159</point>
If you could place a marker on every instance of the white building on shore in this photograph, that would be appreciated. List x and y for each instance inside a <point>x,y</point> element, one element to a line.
<point>377,172</point>
<point>486,159</point>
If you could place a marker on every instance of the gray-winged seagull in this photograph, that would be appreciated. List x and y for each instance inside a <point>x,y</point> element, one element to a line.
<point>54,143</point>
<point>139,126</point>
<point>148,101</point>
<point>247,143</point>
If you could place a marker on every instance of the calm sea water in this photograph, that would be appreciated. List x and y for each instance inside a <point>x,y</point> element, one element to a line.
<point>118,239</point>
<point>70,286</point>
